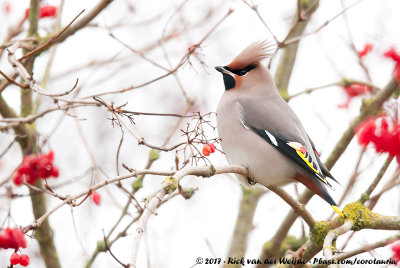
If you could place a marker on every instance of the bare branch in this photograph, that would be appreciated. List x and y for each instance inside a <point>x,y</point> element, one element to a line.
<point>298,38</point>
<point>20,69</point>
<point>365,196</point>
<point>53,38</point>
<point>332,235</point>
<point>367,248</point>
<point>298,207</point>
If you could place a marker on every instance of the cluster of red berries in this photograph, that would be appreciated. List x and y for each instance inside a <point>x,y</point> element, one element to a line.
<point>354,90</point>
<point>396,252</point>
<point>22,259</point>
<point>34,167</point>
<point>383,132</point>
<point>208,149</point>
<point>96,198</point>
<point>12,238</point>
<point>391,53</point>
<point>45,12</point>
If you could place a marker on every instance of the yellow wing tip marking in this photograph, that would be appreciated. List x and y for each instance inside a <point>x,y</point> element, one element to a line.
<point>306,161</point>
<point>338,211</point>
<point>297,146</point>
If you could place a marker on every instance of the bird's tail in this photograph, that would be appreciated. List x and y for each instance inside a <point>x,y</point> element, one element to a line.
<point>329,199</point>
<point>315,185</point>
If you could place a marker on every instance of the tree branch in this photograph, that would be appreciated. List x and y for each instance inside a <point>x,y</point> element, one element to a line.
<point>332,235</point>
<point>244,220</point>
<point>365,196</point>
<point>289,52</point>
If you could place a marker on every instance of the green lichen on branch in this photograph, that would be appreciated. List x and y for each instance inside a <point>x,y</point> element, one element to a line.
<point>171,184</point>
<point>290,242</point>
<point>318,233</point>
<point>331,248</point>
<point>360,215</point>
<point>364,198</point>
<point>212,170</point>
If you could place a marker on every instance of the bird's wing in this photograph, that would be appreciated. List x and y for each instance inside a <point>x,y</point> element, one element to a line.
<point>283,130</point>
<point>324,169</point>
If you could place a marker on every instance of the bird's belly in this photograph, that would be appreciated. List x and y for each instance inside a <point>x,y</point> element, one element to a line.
<point>266,165</point>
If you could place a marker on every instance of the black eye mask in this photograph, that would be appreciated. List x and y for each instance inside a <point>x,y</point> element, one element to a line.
<point>241,72</point>
<point>229,80</point>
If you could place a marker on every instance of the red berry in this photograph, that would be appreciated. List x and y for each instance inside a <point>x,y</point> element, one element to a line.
<point>7,8</point>
<point>12,238</point>
<point>352,91</point>
<point>48,11</point>
<point>15,259</point>
<point>396,252</point>
<point>392,53</point>
<point>365,51</point>
<point>17,238</point>
<point>384,135</point>
<point>30,178</point>
<point>18,180</point>
<point>45,11</point>
<point>356,89</point>
<point>212,147</point>
<point>50,155</point>
<point>3,241</point>
<point>24,260</point>
<point>96,198</point>
<point>54,171</point>
<point>206,150</point>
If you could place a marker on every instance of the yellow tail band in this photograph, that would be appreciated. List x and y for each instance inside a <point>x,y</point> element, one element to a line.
<point>338,211</point>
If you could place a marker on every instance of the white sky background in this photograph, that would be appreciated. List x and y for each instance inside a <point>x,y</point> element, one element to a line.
<point>202,226</point>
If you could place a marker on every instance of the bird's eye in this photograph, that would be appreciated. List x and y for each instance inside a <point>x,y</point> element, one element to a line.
<point>246,70</point>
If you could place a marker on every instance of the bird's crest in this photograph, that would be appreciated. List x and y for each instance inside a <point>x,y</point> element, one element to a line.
<point>252,54</point>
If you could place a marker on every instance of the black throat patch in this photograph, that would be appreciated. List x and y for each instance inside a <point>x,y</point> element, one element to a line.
<point>229,81</point>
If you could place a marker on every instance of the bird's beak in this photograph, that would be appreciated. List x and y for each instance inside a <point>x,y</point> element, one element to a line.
<point>229,79</point>
<point>222,70</point>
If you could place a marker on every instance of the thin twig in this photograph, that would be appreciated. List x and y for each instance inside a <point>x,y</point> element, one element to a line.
<point>53,38</point>
<point>365,196</point>
<point>12,81</point>
<point>367,248</point>
<point>181,62</point>
<point>298,38</point>
<point>255,9</point>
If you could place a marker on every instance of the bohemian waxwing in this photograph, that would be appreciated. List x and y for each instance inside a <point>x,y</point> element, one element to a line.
<point>261,132</point>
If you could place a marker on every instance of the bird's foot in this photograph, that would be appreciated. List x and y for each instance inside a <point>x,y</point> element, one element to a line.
<point>250,181</point>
